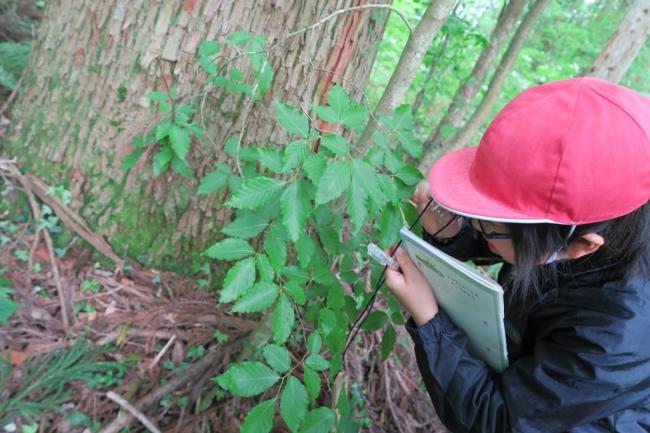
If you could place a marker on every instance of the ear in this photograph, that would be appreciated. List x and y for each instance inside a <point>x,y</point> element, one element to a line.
<point>585,244</point>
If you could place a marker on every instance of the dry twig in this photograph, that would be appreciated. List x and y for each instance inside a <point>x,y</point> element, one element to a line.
<point>133,411</point>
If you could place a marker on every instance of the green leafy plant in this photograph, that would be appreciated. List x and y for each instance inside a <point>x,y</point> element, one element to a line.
<point>13,60</point>
<point>7,306</point>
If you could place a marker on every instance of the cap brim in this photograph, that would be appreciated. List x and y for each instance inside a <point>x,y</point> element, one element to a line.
<point>451,186</point>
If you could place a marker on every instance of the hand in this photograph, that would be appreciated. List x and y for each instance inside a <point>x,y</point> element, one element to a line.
<point>412,289</point>
<point>433,222</point>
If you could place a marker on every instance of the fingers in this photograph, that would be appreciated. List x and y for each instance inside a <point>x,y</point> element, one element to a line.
<point>404,261</point>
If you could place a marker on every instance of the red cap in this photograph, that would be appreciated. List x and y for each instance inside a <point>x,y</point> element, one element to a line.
<point>574,151</point>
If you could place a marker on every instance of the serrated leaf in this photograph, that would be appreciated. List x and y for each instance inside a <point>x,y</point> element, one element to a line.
<point>283,319</point>
<point>209,48</point>
<point>338,100</point>
<point>247,379</point>
<point>7,306</point>
<point>312,382</point>
<point>390,223</point>
<point>257,298</point>
<point>256,192</point>
<point>240,37</point>
<point>295,205</point>
<point>295,154</point>
<point>162,130</point>
<point>295,291</point>
<point>374,321</point>
<point>355,117</point>
<point>161,160</point>
<point>291,119</point>
<point>213,182</point>
<point>260,418</point>
<point>335,180</point>
<point>327,114</point>
<point>314,342</point>
<point>368,179</point>
<point>264,268</point>
<point>388,341</point>
<point>229,249</point>
<point>410,142</point>
<point>275,245</point>
<point>247,225</point>
<point>181,167</point>
<point>320,420</point>
<point>239,279</point>
<point>131,159</point>
<point>357,205</point>
<point>314,166</point>
<point>409,175</point>
<point>155,96</point>
<point>326,321</point>
<point>294,403</point>
<point>271,158</point>
<point>336,144</point>
<point>317,362</point>
<point>277,357</point>
<point>180,139</point>
<point>305,248</point>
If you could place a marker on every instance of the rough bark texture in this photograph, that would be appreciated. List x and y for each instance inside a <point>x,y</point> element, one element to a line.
<point>84,102</point>
<point>492,95</point>
<point>409,63</point>
<point>624,45</point>
<point>467,91</point>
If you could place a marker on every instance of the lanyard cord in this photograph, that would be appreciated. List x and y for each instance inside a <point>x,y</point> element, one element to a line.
<point>354,329</point>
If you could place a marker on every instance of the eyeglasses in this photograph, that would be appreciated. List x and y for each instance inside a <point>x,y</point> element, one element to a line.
<point>490,235</point>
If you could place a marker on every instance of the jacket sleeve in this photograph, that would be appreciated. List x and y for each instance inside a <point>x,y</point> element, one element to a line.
<point>468,244</point>
<point>569,380</point>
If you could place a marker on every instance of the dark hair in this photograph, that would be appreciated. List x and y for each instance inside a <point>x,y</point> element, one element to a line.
<point>627,241</point>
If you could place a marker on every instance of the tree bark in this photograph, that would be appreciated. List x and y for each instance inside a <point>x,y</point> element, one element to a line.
<point>408,65</point>
<point>624,45</point>
<point>84,101</point>
<point>491,96</point>
<point>466,93</point>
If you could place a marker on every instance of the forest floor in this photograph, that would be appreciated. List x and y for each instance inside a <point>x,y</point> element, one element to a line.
<point>166,338</point>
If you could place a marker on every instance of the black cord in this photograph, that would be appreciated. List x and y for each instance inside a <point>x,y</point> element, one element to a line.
<point>354,329</point>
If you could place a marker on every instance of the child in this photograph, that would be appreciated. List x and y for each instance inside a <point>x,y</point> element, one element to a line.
<point>558,191</point>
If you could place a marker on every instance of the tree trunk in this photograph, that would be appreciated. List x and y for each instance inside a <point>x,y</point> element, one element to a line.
<point>624,45</point>
<point>492,95</point>
<point>408,65</point>
<point>84,101</point>
<point>467,91</point>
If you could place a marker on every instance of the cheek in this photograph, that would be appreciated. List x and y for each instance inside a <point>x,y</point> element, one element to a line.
<point>503,248</point>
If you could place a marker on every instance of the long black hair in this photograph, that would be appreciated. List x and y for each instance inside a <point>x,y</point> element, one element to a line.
<point>627,243</point>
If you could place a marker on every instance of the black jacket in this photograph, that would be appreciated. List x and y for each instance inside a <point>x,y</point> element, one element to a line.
<point>579,358</point>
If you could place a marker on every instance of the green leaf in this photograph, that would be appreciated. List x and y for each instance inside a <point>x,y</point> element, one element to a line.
<point>238,280</point>
<point>314,166</point>
<point>7,306</point>
<point>410,143</point>
<point>367,177</point>
<point>271,158</point>
<point>181,167</point>
<point>317,362</point>
<point>326,321</point>
<point>257,298</point>
<point>327,114</point>
<point>277,357</point>
<point>388,341</point>
<point>355,117</point>
<point>336,144</point>
<point>161,160</point>
<point>156,96</point>
<point>338,100</point>
<point>291,119</point>
<point>357,205</point>
<point>213,182</point>
<point>295,154</point>
<point>390,223</point>
<point>260,418</point>
<point>209,48</point>
<point>283,319</point>
<point>295,291</point>
<point>162,130</point>
<point>180,139</point>
<point>312,382</point>
<point>275,245</point>
<point>294,403</point>
<point>305,248</point>
<point>247,379</point>
<point>240,37</point>
<point>314,342</point>
<point>264,268</point>
<point>256,192</point>
<point>229,249</point>
<point>374,321</point>
<point>334,182</point>
<point>319,420</point>
<point>295,205</point>
<point>409,175</point>
<point>247,225</point>
<point>131,159</point>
